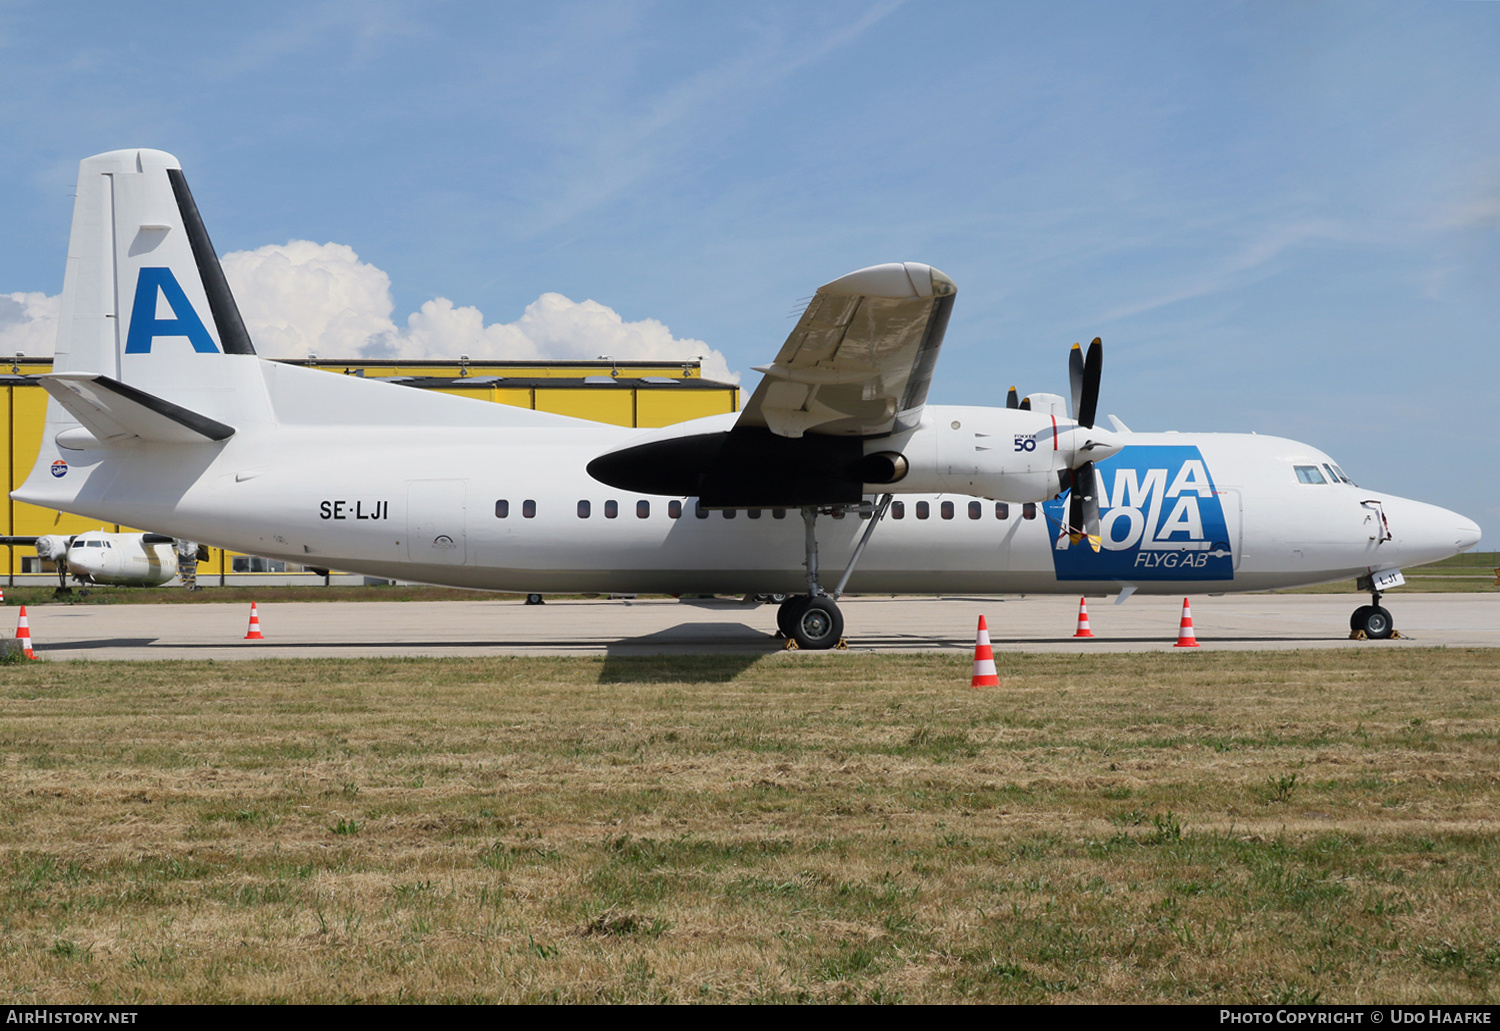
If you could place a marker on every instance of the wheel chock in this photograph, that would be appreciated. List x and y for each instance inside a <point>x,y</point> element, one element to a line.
<point>1358,635</point>
<point>842,646</point>
<point>791,645</point>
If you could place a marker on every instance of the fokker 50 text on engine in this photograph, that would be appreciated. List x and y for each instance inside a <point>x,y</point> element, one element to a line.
<point>162,415</point>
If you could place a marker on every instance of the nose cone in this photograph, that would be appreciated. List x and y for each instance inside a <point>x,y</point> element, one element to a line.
<point>1427,533</point>
<point>1468,533</point>
<point>82,560</point>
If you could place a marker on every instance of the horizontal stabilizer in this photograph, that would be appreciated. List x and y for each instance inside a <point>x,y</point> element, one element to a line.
<point>114,414</point>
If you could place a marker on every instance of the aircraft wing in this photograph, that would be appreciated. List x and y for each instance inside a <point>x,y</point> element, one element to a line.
<point>857,365</point>
<point>860,359</point>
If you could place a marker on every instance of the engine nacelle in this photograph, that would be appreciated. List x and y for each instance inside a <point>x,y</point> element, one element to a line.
<point>1004,454</point>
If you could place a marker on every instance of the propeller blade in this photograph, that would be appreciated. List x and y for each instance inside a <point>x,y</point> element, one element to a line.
<point>1075,377</point>
<point>1083,507</point>
<point>1086,400</point>
<point>1025,404</point>
<point>1013,399</point>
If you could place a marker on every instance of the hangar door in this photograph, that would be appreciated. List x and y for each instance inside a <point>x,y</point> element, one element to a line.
<point>435,522</point>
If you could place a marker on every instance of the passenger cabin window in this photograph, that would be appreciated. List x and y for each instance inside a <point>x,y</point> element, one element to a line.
<point>699,510</point>
<point>674,510</point>
<point>778,513</point>
<point>728,513</point>
<point>1309,474</point>
<point>502,510</point>
<point>1002,510</point>
<point>1028,510</point>
<point>611,509</point>
<point>643,510</point>
<point>947,509</point>
<point>898,510</point>
<point>528,509</point>
<point>584,508</point>
<point>922,510</point>
<point>753,513</point>
<point>975,510</point>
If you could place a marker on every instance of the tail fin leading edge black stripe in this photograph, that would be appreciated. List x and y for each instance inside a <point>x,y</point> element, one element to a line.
<point>232,333</point>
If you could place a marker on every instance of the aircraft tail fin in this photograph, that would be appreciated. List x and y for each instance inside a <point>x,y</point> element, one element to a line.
<point>142,275</point>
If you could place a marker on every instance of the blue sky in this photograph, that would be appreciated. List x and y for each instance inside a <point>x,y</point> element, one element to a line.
<point>1279,217</point>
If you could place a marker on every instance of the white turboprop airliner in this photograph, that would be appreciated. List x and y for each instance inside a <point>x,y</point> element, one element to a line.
<point>162,415</point>
<point>100,557</point>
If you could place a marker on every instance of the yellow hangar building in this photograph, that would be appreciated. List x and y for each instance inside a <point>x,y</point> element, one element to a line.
<point>626,393</point>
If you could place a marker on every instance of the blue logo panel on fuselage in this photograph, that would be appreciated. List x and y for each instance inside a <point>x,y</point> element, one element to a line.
<point>1159,519</point>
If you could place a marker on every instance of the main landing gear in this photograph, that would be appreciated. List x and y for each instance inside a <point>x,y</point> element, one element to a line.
<point>1372,620</point>
<point>813,620</point>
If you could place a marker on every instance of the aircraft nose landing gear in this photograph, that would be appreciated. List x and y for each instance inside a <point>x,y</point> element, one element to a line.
<point>1372,621</point>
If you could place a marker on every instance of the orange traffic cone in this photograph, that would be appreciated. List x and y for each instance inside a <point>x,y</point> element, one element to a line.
<point>23,634</point>
<point>984,659</point>
<point>1083,620</point>
<point>1185,638</point>
<point>254,634</point>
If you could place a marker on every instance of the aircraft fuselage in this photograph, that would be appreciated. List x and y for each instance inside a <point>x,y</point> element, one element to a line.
<point>512,509</point>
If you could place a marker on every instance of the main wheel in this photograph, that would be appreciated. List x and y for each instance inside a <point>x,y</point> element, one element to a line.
<point>819,625</point>
<point>786,615</point>
<point>1358,617</point>
<point>1378,624</point>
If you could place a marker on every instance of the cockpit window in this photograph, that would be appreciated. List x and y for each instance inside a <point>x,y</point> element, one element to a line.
<point>1337,474</point>
<point>1309,474</point>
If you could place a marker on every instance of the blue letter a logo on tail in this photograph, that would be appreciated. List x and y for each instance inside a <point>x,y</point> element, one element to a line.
<point>145,326</point>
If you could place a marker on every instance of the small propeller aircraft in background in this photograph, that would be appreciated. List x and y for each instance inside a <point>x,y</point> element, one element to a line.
<point>98,557</point>
<point>161,414</point>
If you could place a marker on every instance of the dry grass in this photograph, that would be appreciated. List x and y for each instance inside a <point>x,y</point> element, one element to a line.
<point>1275,826</point>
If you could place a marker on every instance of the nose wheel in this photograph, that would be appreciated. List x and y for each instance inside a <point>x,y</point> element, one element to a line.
<point>1374,621</point>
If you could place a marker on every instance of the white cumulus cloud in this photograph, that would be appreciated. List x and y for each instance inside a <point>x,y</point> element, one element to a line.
<point>28,323</point>
<point>302,298</point>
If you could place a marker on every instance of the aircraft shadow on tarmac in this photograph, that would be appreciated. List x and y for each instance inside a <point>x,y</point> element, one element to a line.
<point>714,652</point>
<point>107,642</point>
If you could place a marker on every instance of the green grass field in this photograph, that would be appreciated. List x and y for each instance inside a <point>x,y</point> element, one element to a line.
<point>1250,827</point>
